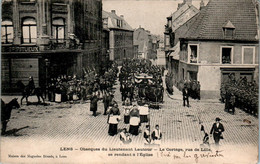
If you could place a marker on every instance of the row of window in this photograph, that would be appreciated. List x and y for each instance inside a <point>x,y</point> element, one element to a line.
<point>226,56</point>
<point>29,30</point>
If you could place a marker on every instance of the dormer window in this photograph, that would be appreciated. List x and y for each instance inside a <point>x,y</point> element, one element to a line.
<point>228,30</point>
<point>119,23</point>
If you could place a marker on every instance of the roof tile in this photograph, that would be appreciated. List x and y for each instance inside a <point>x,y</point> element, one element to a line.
<point>208,23</point>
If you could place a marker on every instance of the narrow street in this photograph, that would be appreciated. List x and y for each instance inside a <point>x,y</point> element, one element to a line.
<point>75,121</point>
<point>73,125</point>
<point>71,52</point>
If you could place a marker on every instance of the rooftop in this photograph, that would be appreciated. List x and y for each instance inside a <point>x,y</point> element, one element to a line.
<point>237,14</point>
<point>112,22</point>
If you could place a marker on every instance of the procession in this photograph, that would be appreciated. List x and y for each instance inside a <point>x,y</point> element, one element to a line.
<point>158,75</point>
<point>141,90</point>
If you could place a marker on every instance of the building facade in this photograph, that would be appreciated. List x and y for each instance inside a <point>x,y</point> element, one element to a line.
<point>120,36</point>
<point>105,48</point>
<point>185,11</point>
<point>216,43</point>
<point>135,50</point>
<point>147,43</point>
<point>45,39</point>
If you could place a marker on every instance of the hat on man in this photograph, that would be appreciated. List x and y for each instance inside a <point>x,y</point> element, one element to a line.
<point>218,119</point>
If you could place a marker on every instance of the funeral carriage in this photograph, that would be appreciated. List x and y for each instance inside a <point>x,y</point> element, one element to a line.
<point>149,90</point>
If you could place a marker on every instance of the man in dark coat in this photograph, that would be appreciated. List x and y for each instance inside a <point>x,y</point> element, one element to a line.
<point>227,101</point>
<point>106,101</point>
<point>185,94</point>
<point>216,130</point>
<point>93,104</point>
<point>31,85</point>
<point>232,103</point>
<point>198,90</point>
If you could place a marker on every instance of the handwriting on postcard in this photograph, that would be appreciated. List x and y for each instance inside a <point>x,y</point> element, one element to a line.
<point>173,153</point>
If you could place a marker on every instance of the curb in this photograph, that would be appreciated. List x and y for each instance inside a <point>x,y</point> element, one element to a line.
<point>192,100</point>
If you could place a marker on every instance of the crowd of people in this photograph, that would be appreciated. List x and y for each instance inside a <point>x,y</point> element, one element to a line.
<point>135,115</point>
<point>193,87</point>
<point>140,79</point>
<point>134,104</point>
<point>95,87</point>
<point>66,88</point>
<point>239,93</point>
<point>169,83</point>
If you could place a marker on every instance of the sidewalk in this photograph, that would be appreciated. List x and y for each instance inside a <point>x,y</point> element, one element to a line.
<point>177,94</point>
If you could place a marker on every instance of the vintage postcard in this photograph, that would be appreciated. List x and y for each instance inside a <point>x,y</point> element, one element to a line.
<point>129,81</point>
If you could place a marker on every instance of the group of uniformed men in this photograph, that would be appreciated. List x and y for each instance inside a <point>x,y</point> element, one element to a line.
<point>239,93</point>
<point>193,87</point>
<point>66,88</point>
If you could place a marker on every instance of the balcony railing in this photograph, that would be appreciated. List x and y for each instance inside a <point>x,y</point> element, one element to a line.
<point>60,44</point>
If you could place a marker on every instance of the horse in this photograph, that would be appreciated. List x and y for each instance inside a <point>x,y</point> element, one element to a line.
<point>6,110</point>
<point>154,94</point>
<point>26,92</point>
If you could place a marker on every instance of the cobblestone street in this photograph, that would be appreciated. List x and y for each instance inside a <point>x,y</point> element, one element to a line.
<point>73,124</point>
<point>178,124</point>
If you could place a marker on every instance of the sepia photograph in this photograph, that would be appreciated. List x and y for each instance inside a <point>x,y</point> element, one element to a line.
<point>130,81</point>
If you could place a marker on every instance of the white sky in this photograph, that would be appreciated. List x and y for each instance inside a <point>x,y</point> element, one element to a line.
<point>150,14</point>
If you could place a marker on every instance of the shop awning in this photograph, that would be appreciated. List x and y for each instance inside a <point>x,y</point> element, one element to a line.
<point>175,54</point>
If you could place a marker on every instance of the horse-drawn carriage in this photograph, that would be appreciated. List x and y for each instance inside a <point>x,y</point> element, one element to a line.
<point>149,90</point>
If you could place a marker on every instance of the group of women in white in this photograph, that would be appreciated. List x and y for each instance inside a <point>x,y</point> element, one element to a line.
<point>134,115</point>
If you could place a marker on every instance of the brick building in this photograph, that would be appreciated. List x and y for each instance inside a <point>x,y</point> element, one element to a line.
<point>221,39</point>
<point>120,36</point>
<point>46,38</point>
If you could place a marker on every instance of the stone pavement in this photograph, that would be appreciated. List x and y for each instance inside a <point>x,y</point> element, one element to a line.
<point>70,122</point>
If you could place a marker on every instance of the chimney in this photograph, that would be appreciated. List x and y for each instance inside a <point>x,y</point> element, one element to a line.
<point>113,11</point>
<point>201,4</point>
<point>188,2</point>
<point>122,16</point>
